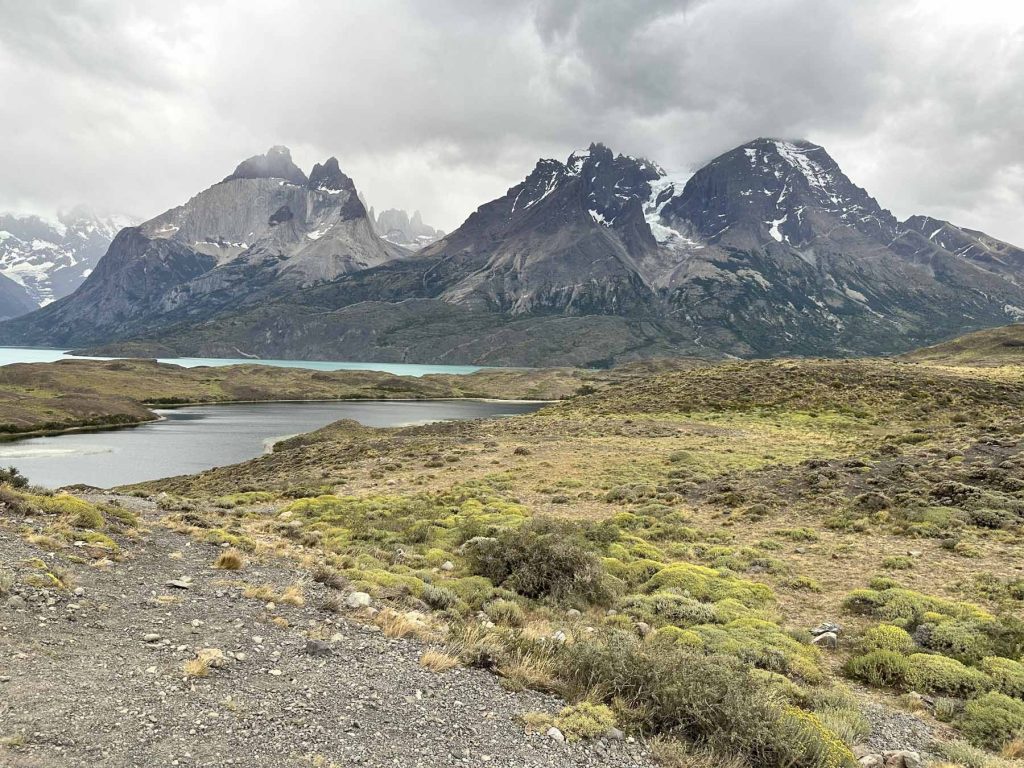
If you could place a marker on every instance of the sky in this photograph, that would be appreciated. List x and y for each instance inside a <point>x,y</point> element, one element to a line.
<point>135,105</point>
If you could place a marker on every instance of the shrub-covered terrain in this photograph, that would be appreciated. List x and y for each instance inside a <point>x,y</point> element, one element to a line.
<point>658,551</point>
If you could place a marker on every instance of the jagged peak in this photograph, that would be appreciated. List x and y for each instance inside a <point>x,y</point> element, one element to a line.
<point>275,164</point>
<point>330,178</point>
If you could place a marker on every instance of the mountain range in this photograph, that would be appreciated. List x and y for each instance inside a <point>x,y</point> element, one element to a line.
<point>49,259</point>
<point>767,250</point>
<point>396,226</point>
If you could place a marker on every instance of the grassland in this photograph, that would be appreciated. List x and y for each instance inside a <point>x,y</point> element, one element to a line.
<point>657,550</point>
<point>76,394</point>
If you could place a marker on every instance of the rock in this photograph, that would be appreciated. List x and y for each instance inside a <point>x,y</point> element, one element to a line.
<point>901,758</point>
<point>358,600</point>
<point>872,761</point>
<point>275,672</point>
<point>643,628</point>
<point>572,613</point>
<point>16,602</point>
<point>826,639</point>
<point>447,565</point>
<point>79,591</point>
<point>317,648</point>
<point>185,582</point>
<point>151,637</point>
<point>559,637</point>
<point>615,734</point>
<point>555,735</point>
<point>826,626</point>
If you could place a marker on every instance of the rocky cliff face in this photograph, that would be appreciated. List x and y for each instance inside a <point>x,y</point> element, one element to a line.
<point>397,227</point>
<point>50,259</point>
<point>768,250</point>
<point>265,230</point>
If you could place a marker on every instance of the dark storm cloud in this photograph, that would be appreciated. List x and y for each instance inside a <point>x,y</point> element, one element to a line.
<point>442,105</point>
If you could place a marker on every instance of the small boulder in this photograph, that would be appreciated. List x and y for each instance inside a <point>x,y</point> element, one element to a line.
<point>317,648</point>
<point>447,565</point>
<point>826,640</point>
<point>872,761</point>
<point>358,600</point>
<point>555,735</point>
<point>214,657</point>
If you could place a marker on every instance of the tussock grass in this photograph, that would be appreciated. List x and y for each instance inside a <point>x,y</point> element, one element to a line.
<point>229,560</point>
<point>438,661</point>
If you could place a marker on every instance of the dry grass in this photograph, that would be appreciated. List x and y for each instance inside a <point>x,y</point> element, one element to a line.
<point>397,624</point>
<point>198,667</point>
<point>438,661</point>
<point>292,595</point>
<point>1013,750</point>
<point>229,560</point>
<point>263,592</point>
<point>280,621</point>
<point>670,753</point>
<point>523,671</point>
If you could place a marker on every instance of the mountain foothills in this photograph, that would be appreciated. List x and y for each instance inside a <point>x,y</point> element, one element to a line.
<point>46,259</point>
<point>768,250</point>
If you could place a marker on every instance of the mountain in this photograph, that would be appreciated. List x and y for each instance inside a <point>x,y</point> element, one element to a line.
<point>265,230</point>
<point>395,226</point>
<point>50,259</point>
<point>769,249</point>
<point>14,299</point>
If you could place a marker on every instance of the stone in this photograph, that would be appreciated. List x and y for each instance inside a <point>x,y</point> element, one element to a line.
<point>615,734</point>
<point>643,628</point>
<point>872,761</point>
<point>555,735</point>
<point>447,565</point>
<point>572,613</point>
<point>559,637</point>
<point>827,640</point>
<point>79,591</point>
<point>151,637</point>
<point>826,626</point>
<point>185,582</point>
<point>358,600</point>
<point>317,648</point>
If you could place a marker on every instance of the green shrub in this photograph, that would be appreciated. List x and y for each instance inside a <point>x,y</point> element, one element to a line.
<point>898,563</point>
<point>708,699</point>
<point>708,585</point>
<point>663,608</point>
<point>887,637</point>
<point>12,477</point>
<point>963,640</point>
<point>880,668</point>
<point>1007,675</point>
<point>506,612</point>
<point>993,720</point>
<point>584,721</point>
<point>439,598</point>
<point>943,675</point>
<point>541,558</point>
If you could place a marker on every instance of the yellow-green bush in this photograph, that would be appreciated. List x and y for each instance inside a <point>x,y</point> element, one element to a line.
<point>887,637</point>
<point>708,585</point>
<point>993,720</point>
<point>880,667</point>
<point>940,674</point>
<point>765,645</point>
<point>1007,675</point>
<point>584,721</point>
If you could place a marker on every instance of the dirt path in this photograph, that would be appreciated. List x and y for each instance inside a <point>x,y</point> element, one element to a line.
<point>95,678</point>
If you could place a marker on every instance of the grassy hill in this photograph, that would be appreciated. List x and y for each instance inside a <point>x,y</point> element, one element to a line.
<point>990,347</point>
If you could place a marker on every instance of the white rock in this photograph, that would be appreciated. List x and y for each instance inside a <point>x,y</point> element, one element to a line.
<point>358,600</point>
<point>447,565</point>
<point>556,735</point>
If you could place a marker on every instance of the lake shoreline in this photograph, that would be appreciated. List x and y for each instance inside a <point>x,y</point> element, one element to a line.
<point>13,437</point>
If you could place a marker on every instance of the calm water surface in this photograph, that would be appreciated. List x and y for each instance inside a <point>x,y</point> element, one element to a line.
<point>10,355</point>
<point>192,439</point>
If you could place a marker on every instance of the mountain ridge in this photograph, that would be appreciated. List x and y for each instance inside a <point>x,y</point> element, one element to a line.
<point>769,249</point>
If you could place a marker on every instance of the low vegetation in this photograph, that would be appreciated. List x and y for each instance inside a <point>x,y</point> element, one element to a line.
<point>657,551</point>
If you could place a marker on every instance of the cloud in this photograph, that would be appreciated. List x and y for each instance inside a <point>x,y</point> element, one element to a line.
<point>441,106</point>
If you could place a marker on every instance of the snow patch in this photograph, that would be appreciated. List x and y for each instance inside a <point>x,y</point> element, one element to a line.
<point>774,228</point>
<point>599,217</point>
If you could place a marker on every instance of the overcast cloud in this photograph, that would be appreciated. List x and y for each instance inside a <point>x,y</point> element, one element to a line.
<point>442,105</point>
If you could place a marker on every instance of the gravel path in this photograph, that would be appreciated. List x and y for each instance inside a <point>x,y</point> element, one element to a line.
<point>96,678</point>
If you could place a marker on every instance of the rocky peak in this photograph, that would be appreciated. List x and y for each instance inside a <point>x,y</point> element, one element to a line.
<point>330,178</point>
<point>275,164</point>
<point>775,190</point>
